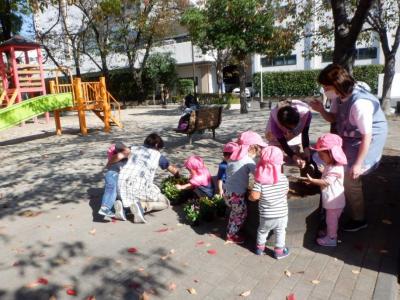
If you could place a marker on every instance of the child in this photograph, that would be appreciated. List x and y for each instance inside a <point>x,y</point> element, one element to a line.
<point>114,165</point>
<point>240,165</point>
<point>329,148</point>
<point>271,188</point>
<point>200,178</point>
<point>221,175</point>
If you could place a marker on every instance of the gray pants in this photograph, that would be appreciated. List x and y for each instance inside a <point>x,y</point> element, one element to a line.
<point>278,225</point>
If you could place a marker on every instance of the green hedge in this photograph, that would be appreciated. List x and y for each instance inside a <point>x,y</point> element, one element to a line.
<point>304,83</point>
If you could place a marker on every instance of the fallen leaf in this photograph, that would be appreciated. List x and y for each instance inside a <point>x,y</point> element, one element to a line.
<point>179,224</point>
<point>212,251</point>
<point>246,293</point>
<point>132,250</point>
<point>29,213</point>
<point>71,292</point>
<point>291,297</point>
<point>42,281</point>
<point>315,281</point>
<point>208,245</point>
<point>141,269</point>
<point>144,296</point>
<point>387,222</point>
<point>172,251</point>
<point>113,220</point>
<point>172,286</point>
<point>192,291</point>
<point>199,243</point>
<point>196,281</point>
<point>91,298</point>
<point>228,242</point>
<point>93,231</point>
<point>355,271</point>
<point>118,261</point>
<point>287,273</point>
<point>164,257</point>
<point>162,230</point>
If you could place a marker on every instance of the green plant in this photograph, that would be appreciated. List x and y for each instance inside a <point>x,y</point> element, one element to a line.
<point>220,205</point>
<point>168,188</point>
<point>207,208</point>
<point>192,212</point>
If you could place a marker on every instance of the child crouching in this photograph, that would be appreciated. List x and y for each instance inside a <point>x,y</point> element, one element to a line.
<point>271,188</point>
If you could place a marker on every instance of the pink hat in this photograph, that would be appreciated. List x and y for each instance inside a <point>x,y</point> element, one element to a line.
<point>231,147</point>
<point>333,143</point>
<point>201,174</point>
<point>269,166</point>
<point>111,151</point>
<point>245,140</point>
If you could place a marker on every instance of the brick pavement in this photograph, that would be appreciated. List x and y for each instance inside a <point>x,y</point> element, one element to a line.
<point>70,247</point>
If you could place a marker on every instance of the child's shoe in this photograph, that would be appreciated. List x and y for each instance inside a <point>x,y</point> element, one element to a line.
<point>137,211</point>
<point>260,250</point>
<point>327,241</point>
<point>106,212</point>
<point>119,210</point>
<point>280,253</point>
<point>237,239</point>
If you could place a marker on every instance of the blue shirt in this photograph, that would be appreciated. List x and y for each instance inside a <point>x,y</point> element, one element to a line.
<point>222,171</point>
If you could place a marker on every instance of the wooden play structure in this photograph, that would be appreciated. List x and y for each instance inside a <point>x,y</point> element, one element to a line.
<point>22,75</point>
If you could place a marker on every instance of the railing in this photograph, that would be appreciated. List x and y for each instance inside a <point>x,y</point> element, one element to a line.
<point>64,88</point>
<point>91,93</point>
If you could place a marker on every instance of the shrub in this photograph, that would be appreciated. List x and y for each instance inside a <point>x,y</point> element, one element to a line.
<point>192,212</point>
<point>168,188</point>
<point>185,86</point>
<point>304,83</point>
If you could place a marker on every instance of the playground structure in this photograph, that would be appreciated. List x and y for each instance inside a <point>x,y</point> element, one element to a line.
<point>24,97</point>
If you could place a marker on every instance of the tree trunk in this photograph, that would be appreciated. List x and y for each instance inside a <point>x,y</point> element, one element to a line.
<point>219,70</point>
<point>343,55</point>
<point>242,80</point>
<point>389,71</point>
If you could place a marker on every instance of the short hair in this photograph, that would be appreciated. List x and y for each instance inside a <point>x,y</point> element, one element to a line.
<point>338,77</point>
<point>154,141</point>
<point>288,116</point>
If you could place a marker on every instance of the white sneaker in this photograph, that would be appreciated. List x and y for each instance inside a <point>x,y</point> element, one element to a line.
<point>119,210</point>
<point>137,211</point>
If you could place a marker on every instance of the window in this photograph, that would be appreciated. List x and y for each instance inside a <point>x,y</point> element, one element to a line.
<point>366,53</point>
<point>279,61</point>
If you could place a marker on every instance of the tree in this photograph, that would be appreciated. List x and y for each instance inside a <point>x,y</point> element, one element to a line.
<point>242,27</point>
<point>384,18</point>
<point>161,70</point>
<point>12,13</point>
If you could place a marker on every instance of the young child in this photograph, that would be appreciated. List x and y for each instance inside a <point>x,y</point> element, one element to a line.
<point>271,188</point>
<point>114,165</point>
<point>221,175</point>
<point>241,164</point>
<point>329,148</point>
<point>200,178</point>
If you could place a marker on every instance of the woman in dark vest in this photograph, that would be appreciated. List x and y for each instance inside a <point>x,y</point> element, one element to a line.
<point>362,125</point>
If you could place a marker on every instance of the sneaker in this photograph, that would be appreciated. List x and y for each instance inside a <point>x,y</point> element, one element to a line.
<point>106,212</point>
<point>137,211</point>
<point>119,210</point>
<point>327,241</point>
<point>237,239</point>
<point>259,250</point>
<point>280,253</point>
<point>353,225</point>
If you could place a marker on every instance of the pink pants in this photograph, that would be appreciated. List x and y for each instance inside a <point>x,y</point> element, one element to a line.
<point>332,220</point>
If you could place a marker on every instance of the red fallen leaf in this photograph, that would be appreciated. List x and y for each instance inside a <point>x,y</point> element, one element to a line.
<point>91,298</point>
<point>43,281</point>
<point>113,220</point>
<point>132,250</point>
<point>134,285</point>
<point>162,230</point>
<point>199,243</point>
<point>291,297</point>
<point>212,251</point>
<point>71,292</point>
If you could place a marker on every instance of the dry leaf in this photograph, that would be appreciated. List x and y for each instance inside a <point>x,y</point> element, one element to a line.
<point>196,281</point>
<point>192,291</point>
<point>91,298</point>
<point>355,271</point>
<point>164,257</point>
<point>141,269</point>
<point>212,251</point>
<point>228,242</point>
<point>118,261</point>
<point>144,296</point>
<point>179,224</point>
<point>162,230</point>
<point>246,293</point>
<point>386,221</point>
<point>172,286</point>
<point>199,243</point>
<point>315,281</point>
<point>93,231</point>
<point>288,273</point>
<point>172,251</point>
<point>29,213</point>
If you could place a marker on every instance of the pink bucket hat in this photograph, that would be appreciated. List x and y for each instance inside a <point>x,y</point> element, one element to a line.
<point>202,176</point>
<point>230,147</point>
<point>269,166</point>
<point>245,140</point>
<point>194,162</point>
<point>333,143</point>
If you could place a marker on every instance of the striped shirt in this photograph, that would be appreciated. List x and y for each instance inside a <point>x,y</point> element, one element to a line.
<point>273,199</point>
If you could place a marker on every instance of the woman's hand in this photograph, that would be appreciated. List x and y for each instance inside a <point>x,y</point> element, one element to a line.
<point>355,171</point>
<point>298,161</point>
<point>317,105</point>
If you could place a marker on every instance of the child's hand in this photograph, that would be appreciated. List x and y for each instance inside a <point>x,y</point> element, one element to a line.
<point>309,179</point>
<point>178,187</point>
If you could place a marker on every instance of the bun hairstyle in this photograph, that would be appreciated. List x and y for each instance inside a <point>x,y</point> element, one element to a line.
<point>337,76</point>
<point>154,141</point>
<point>288,116</point>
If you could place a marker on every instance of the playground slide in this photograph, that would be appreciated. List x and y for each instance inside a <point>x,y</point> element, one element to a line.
<point>25,110</point>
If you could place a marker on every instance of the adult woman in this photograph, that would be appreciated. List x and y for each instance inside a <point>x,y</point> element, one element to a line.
<point>190,105</point>
<point>362,125</point>
<point>288,127</point>
<point>135,182</point>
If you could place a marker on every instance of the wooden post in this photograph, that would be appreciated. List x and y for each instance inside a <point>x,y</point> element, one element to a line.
<point>106,105</point>
<point>77,86</point>
<point>57,118</point>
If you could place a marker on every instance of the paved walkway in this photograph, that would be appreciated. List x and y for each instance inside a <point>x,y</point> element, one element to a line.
<point>54,244</point>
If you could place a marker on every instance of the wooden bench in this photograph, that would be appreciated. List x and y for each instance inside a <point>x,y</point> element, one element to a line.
<point>202,119</point>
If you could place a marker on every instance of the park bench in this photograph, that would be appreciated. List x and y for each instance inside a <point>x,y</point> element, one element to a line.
<point>202,119</point>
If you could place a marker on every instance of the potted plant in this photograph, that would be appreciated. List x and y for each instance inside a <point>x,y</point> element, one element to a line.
<point>220,206</point>
<point>168,188</point>
<point>192,213</point>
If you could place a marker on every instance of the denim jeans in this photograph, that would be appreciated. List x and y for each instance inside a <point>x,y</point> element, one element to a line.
<point>110,190</point>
